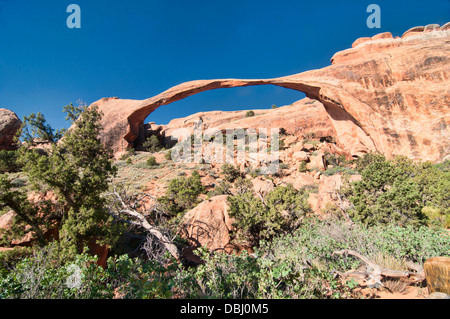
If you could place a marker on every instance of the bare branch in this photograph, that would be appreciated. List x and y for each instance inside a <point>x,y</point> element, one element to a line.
<point>375,273</point>
<point>140,220</point>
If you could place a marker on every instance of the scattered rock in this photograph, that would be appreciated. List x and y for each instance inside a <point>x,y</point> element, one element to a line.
<point>317,161</point>
<point>300,156</point>
<point>262,186</point>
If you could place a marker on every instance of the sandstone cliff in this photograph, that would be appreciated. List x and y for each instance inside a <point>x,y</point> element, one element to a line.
<point>384,94</point>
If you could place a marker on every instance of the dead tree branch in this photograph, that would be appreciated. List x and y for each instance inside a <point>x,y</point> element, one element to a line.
<point>138,219</point>
<point>373,274</point>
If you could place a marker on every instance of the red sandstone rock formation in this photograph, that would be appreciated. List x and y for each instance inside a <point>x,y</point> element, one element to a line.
<point>9,125</point>
<point>209,224</point>
<point>384,94</point>
<point>304,116</point>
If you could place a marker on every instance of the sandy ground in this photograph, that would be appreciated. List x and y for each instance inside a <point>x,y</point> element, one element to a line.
<point>410,293</point>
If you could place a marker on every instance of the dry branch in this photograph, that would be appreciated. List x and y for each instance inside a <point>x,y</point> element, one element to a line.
<point>374,273</point>
<point>140,220</point>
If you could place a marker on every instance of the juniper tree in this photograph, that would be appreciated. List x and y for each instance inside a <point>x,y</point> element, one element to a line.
<point>78,170</point>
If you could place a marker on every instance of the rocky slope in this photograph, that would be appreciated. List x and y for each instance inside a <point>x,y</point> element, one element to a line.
<point>386,94</point>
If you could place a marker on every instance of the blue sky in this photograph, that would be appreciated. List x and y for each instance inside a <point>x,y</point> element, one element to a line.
<point>138,48</point>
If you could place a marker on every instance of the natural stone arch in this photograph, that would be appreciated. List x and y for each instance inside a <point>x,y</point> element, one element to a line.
<point>384,94</point>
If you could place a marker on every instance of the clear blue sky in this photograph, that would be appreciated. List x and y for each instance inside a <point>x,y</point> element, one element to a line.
<point>138,48</point>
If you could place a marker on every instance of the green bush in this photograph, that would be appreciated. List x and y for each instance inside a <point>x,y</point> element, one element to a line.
<point>168,155</point>
<point>396,191</point>
<point>249,114</point>
<point>255,172</point>
<point>45,276</point>
<point>302,167</point>
<point>8,162</point>
<point>300,264</point>
<point>224,188</point>
<point>279,212</point>
<point>152,144</point>
<point>339,170</point>
<point>151,161</point>
<point>182,194</point>
<point>230,172</point>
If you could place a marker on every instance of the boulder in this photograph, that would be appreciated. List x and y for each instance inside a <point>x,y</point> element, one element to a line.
<point>9,125</point>
<point>262,186</point>
<point>209,224</point>
<point>6,220</point>
<point>317,161</point>
<point>300,156</point>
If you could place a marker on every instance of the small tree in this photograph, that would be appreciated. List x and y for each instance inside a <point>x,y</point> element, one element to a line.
<point>387,192</point>
<point>249,114</point>
<point>182,194</point>
<point>8,162</point>
<point>152,144</point>
<point>36,130</point>
<point>152,161</point>
<point>280,212</point>
<point>78,170</point>
<point>230,172</point>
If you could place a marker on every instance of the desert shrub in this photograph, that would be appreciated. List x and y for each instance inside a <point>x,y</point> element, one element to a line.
<point>279,212</point>
<point>230,172</point>
<point>433,181</point>
<point>284,166</point>
<point>77,170</point>
<point>152,144</point>
<point>44,276</point>
<point>151,161</point>
<point>182,194</point>
<point>249,114</point>
<point>309,135</point>
<point>388,192</point>
<point>302,167</point>
<point>129,152</point>
<point>335,160</point>
<point>300,264</point>
<point>9,258</point>
<point>168,155</point>
<point>133,278</point>
<point>255,172</point>
<point>243,185</point>
<point>339,170</point>
<point>223,188</point>
<point>8,162</point>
